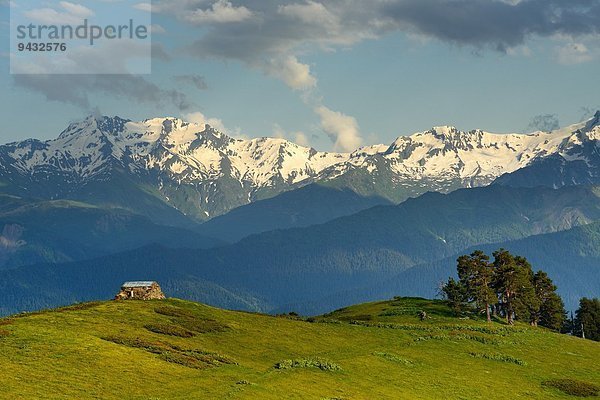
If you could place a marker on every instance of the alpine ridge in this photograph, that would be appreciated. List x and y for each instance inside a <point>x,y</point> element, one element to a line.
<point>197,172</point>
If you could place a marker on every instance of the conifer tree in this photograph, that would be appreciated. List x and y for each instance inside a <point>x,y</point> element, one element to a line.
<point>587,319</point>
<point>455,294</point>
<point>513,282</point>
<point>476,275</point>
<point>548,309</point>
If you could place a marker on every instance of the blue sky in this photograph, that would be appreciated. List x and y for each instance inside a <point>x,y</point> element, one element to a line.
<point>335,74</point>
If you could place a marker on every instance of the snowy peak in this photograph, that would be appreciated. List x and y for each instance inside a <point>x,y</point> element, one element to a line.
<point>193,153</point>
<point>445,152</point>
<point>107,125</point>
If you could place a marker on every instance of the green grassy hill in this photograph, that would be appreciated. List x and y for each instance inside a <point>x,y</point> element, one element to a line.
<point>174,349</point>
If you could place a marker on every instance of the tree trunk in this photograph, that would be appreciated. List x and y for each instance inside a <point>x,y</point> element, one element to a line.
<point>487,312</point>
<point>509,316</point>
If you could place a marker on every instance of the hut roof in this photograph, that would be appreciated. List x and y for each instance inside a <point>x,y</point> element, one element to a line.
<point>135,284</point>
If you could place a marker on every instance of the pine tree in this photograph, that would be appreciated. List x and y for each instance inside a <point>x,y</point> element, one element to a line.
<point>547,309</point>
<point>587,319</point>
<point>476,275</point>
<point>513,282</point>
<point>455,293</point>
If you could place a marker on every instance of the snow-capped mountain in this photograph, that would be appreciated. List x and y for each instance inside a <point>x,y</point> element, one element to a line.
<point>195,169</point>
<point>202,172</point>
<point>577,162</point>
<point>445,158</point>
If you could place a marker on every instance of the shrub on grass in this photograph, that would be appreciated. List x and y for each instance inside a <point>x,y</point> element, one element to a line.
<point>137,343</point>
<point>358,318</point>
<point>459,336</point>
<point>203,325</point>
<point>428,328</point>
<point>399,311</point>
<point>480,339</point>
<point>328,321</point>
<point>433,337</point>
<point>573,387</point>
<point>170,329</point>
<point>207,357</point>
<point>393,358</point>
<point>78,307</point>
<point>194,359</point>
<point>188,321</point>
<point>500,357</point>
<point>191,358</point>
<point>323,365</point>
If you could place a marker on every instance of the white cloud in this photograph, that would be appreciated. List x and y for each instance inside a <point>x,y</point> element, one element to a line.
<point>298,137</point>
<point>143,7</point>
<point>76,9</point>
<point>79,90</point>
<point>199,118</point>
<point>301,139</point>
<point>157,29</point>
<point>107,57</point>
<point>279,132</point>
<point>574,53</point>
<point>311,13</point>
<point>70,14</point>
<point>51,16</point>
<point>291,71</point>
<point>220,12</point>
<point>342,129</point>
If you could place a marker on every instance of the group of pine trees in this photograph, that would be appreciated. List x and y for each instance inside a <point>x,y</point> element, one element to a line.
<point>506,286</point>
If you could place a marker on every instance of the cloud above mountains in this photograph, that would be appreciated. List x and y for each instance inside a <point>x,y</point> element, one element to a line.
<point>76,89</point>
<point>342,129</point>
<point>275,37</point>
<point>267,34</point>
<point>495,23</point>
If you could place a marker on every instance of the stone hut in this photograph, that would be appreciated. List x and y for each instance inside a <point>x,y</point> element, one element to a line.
<point>140,290</point>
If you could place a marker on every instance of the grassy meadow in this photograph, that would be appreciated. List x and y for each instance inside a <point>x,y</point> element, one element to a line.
<point>175,349</point>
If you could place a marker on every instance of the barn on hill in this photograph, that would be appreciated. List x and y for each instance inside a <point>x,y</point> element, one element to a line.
<point>140,290</point>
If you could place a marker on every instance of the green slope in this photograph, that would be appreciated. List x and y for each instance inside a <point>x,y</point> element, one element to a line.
<point>111,350</point>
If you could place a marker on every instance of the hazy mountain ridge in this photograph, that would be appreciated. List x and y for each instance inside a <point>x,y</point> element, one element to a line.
<point>60,231</point>
<point>309,205</point>
<point>308,267</point>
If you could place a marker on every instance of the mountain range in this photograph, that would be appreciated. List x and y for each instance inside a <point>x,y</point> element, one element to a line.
<point>268,225</point>
<point>172,171</point>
